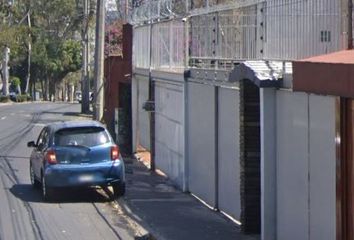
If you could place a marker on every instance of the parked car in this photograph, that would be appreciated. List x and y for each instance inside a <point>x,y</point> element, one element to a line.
<point>13,96</point>
<point>76,154</point>
<point>91,97</point>
<point>78,96</point>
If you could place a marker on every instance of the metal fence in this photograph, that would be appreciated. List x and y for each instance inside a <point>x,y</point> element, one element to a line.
<point>226,35</point>
<point>232,31</point>
<point>141,47</point>
<point>168,48</point>
<point>156,10</point>
<point>300,29</point>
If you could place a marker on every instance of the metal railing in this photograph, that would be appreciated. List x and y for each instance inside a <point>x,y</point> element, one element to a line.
<point>220,37</point>
<point>141,47</point>
<point>168,50</point>
<point>157,10</point>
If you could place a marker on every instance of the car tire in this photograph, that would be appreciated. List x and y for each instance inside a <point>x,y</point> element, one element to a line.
<point>35,183</point>
<point>118,189</point>
<point>47,192</point>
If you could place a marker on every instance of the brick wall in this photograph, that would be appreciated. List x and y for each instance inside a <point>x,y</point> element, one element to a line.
<point>250,157</point>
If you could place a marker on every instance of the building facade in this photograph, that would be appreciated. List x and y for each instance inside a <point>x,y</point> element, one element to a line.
<point>227,124</point>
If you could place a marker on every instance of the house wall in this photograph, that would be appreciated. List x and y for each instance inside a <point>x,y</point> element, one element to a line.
<point>169,128</point>
<point>305,166</point>
<point>117,70</point>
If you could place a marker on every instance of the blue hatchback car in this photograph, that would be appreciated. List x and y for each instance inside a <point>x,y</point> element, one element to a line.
<point>76,154</point>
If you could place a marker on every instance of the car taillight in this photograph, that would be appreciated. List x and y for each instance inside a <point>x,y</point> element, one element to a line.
<point>50,157</point>
<point>114,152</point>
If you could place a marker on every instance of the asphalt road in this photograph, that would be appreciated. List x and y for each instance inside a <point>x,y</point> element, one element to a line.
<point>86,214</point>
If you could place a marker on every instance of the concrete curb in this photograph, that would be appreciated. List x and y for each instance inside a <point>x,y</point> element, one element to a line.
<point>140,232</point>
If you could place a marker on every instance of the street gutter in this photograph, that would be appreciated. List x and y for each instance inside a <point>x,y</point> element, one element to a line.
<point>140,233</point>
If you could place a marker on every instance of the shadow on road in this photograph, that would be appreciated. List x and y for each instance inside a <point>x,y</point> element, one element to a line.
<point>67,113</point>
<point>27,193</point>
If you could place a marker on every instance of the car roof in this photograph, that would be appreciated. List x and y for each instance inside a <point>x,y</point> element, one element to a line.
<point>74,124</point>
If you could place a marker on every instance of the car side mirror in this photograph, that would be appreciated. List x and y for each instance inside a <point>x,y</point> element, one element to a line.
<point>31,144</point>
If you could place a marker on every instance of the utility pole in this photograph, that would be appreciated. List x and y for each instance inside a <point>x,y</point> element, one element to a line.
<point>5,71</point>
<point>99,60</point>
<point>85,80</point>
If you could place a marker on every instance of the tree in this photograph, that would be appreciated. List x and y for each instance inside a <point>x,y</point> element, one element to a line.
<point>43,38</point>
<point>16,82</point>
<point>114,39</point>
<point>56,27</point>
<point>12,36</point>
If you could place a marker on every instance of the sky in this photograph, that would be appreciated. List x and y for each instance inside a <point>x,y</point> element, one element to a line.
<point>111,5</point>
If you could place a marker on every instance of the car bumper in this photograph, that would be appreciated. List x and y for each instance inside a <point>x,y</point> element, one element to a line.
<point>100,174</point>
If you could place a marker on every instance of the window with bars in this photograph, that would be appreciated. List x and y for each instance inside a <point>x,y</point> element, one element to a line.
<point>325,36</point>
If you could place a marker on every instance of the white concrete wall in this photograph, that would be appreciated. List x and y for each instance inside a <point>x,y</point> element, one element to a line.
<point>134,113</point>
<point>305,166</point>
<point>322,168</point>
<point>229,152</point>
<point>169,129</point>
<point>213,148</point>
<point>201,141</point>
<point>292,166</point>
<point>268,163</point>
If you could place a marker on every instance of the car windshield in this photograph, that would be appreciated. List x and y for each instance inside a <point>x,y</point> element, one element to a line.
<point>82,136</point>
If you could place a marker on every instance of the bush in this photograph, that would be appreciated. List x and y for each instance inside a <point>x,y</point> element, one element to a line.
<point>4,99</point>
<point>15,81</point>
<point>23,98</point>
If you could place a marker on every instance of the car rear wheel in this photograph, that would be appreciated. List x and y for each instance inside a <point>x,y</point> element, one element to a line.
<point>35,183</point>
<point>46,191</point>
<point>118,189</point>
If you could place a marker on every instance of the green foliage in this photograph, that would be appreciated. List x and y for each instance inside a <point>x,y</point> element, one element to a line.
<point>53,34</point>
<point>57,58</point>
<point>15,81</point>
<point>73,77</point>
<point>15,38</point>
<point>4,99</point>
<point>23,98</point>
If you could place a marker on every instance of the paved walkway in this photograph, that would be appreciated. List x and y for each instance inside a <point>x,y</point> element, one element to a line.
<point>167,213</point>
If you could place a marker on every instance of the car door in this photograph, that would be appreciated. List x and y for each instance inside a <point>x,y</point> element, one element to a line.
<point>42,144</point>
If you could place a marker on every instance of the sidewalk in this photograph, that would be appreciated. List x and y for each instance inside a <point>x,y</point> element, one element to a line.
<point>169,214</point>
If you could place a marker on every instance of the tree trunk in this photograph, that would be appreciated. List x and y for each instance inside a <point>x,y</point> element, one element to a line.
<point>5,71</point>
<point>46,89</point>
<point>19,89</point>
<point>42,87</point>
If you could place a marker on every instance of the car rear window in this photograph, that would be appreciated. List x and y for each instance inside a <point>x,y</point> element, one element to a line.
<point>84,136</point>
